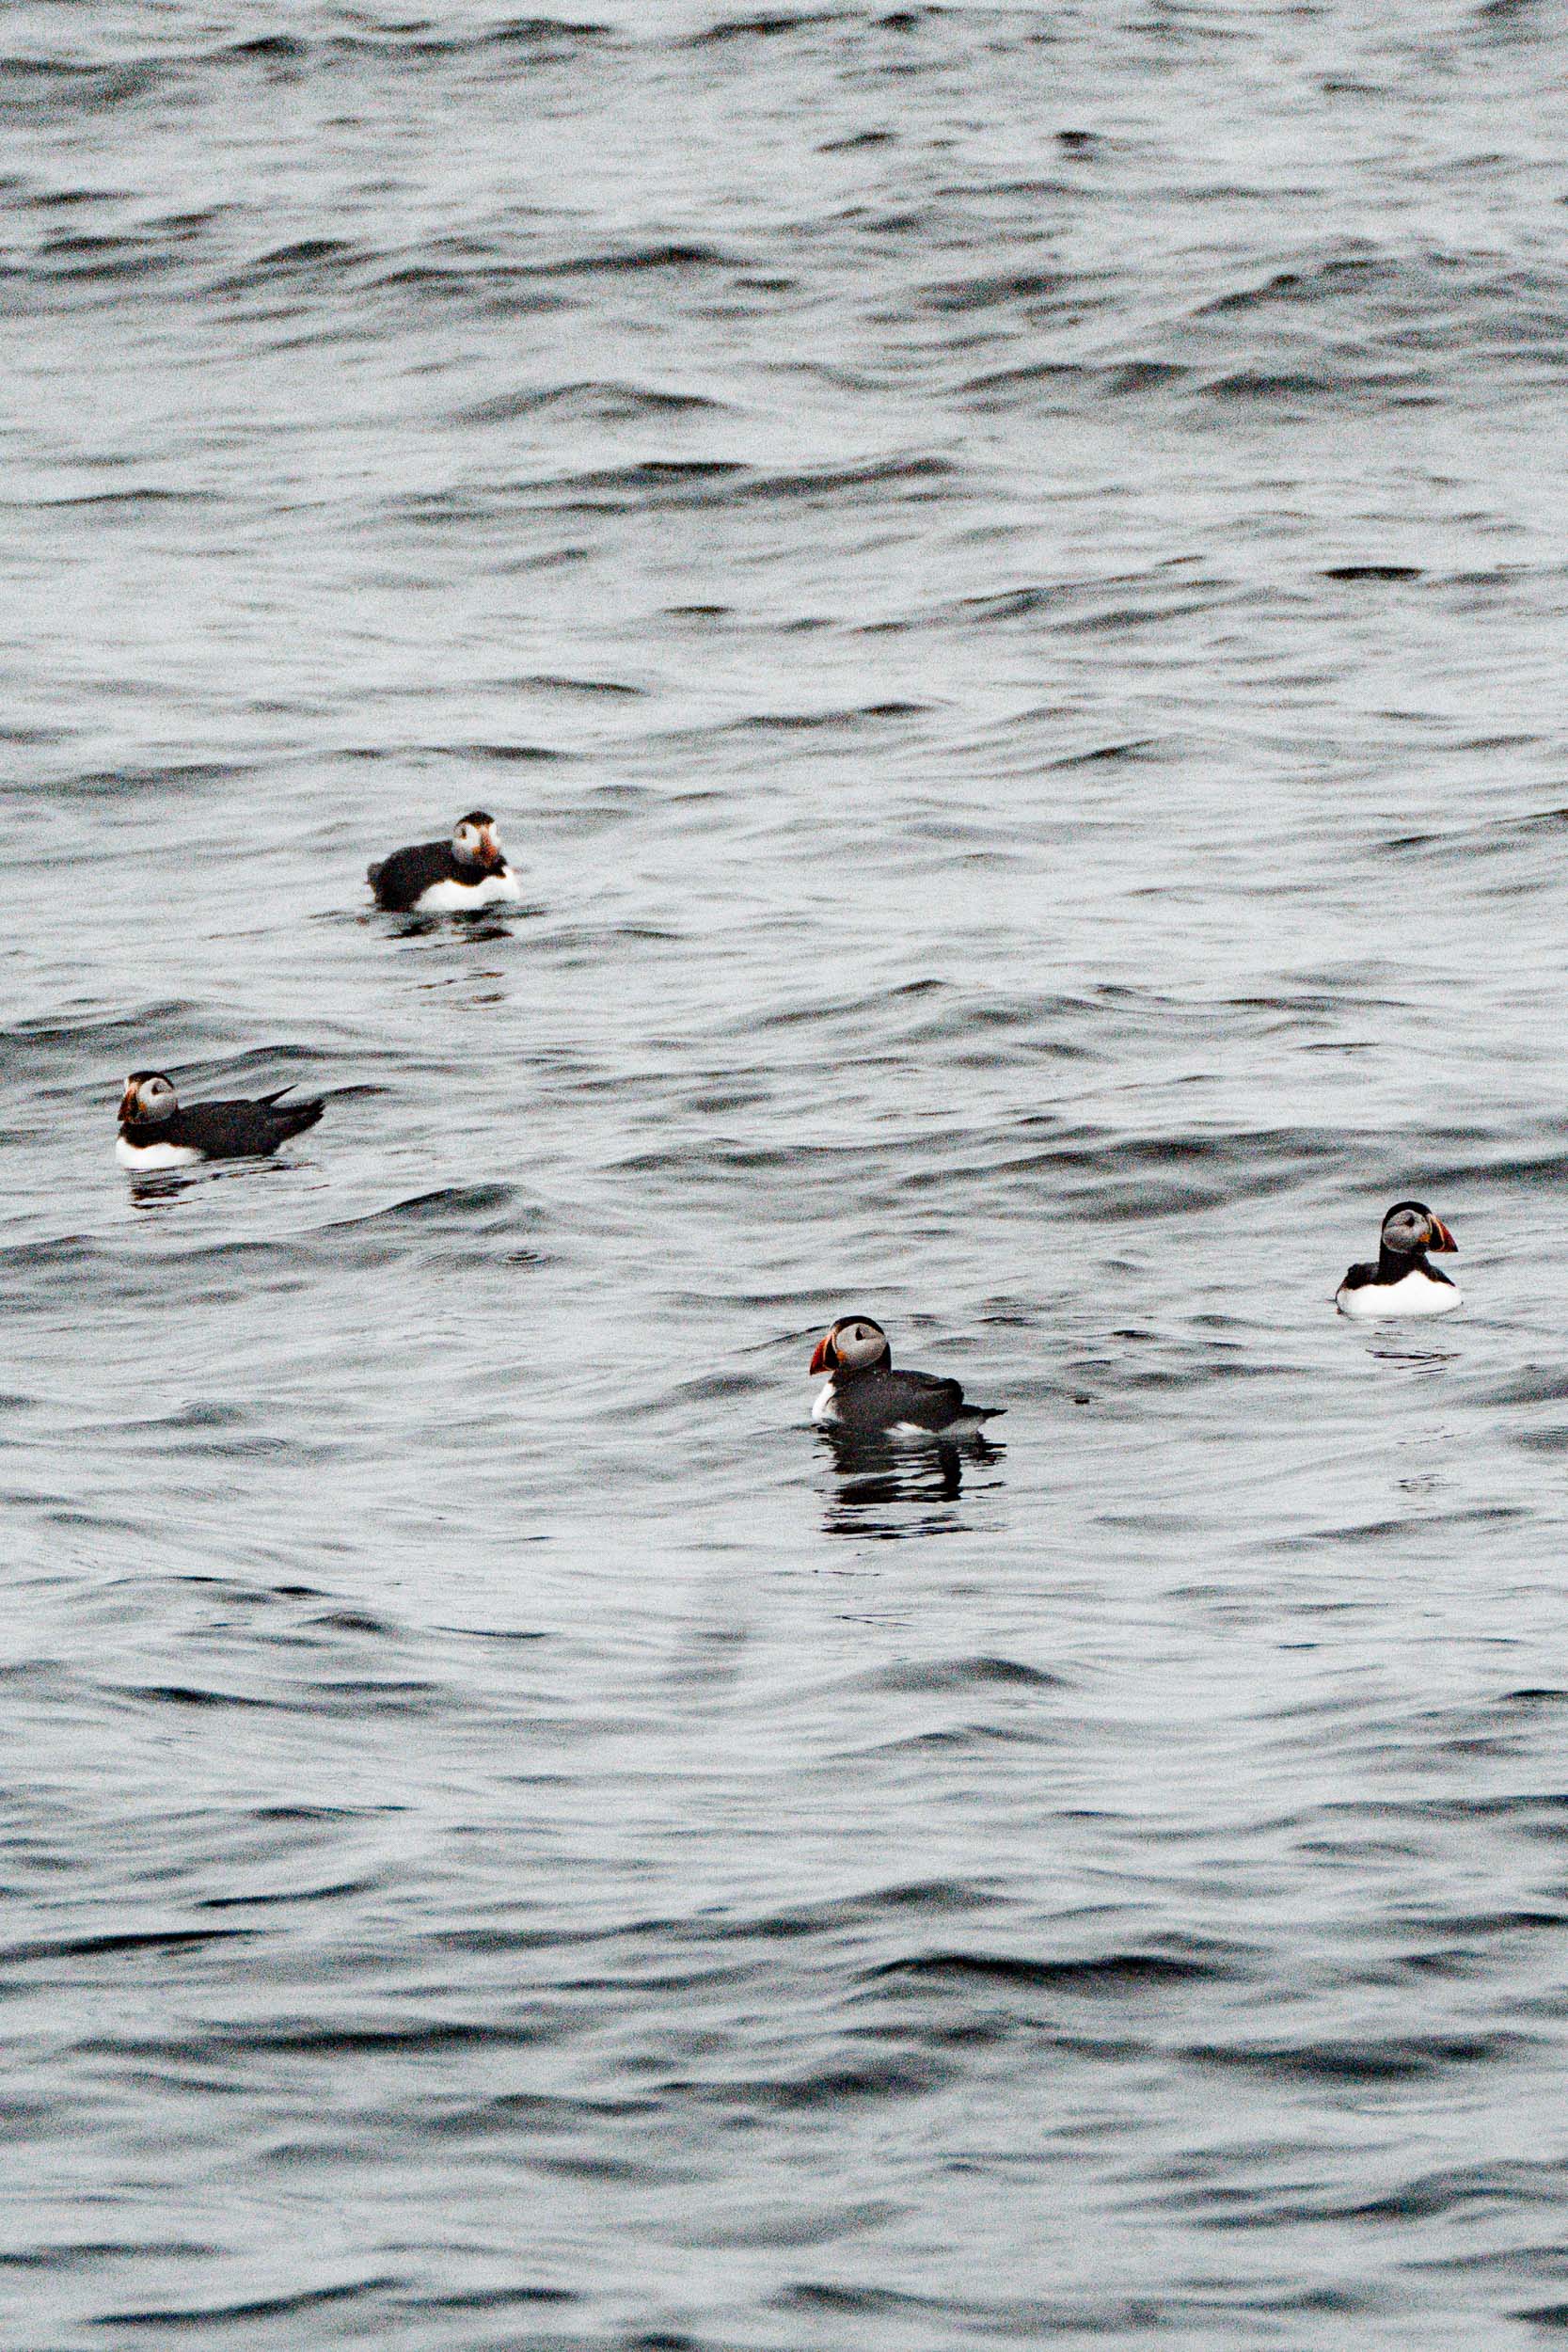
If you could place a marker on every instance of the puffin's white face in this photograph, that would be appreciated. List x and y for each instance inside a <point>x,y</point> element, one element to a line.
<point>148,1095</point>
<point>1410,1226</point>
<point>474,841</point>
<point>853,1344</point>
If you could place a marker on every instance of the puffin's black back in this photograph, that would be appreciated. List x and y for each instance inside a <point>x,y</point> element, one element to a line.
<point>400,881</point>
<point>882,1398</point>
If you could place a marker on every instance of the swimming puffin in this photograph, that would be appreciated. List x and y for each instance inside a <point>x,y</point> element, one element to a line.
<point>453,877</point>
<point>866,1398</point>
<point>1401,1282</point>
<point>155,1134</point>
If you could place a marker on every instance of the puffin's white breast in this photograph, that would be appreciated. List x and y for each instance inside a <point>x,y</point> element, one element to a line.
<point>1414,1293</point>
<point>146,1158</point>
<point>455,898</point>
<point>826,1406</point>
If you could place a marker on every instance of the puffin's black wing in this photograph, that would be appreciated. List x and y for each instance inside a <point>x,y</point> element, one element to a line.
<point>925,1399</point>
<point>242,1131</point>
<point>400,881</point>
<point>1359,1276</point>
<point>890,1400</point>
<point>932,1403</point>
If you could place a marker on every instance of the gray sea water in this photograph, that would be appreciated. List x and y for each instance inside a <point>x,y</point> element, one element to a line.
<point>1005,573</point>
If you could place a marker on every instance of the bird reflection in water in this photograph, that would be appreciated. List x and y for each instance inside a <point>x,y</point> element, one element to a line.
<point>892,1491</point>
<point>157,1192</point>
<point>461,928</point>
<point>1422,1355</point>
<point>169,1184</point>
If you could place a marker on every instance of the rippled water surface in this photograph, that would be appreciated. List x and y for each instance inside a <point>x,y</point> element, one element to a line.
<point>1003,571</point>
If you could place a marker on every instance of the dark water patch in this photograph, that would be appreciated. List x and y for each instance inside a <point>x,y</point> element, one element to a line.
<point>262,1898</point>
<point>1390,2058</point>
<point>379,1695</point>
<point>176,2316</point>
<point>92,1946</point>
<point>1543,1442</point>
<point>596,403</point>
<point>496,1632</point>
<point>1112,620</point>
<point>1044,2317</point>
<point>847,2086</point>
<point>916,474</point>
<point>83,2253</point>
<point>1305,284</point>
<point>356,1621</point>
<point>593,687</point>
<point>131,781</point>
<point>767,28</point>
<point>820,721</point>
<point>497,2298</point>
<point>416,2037</point>
<point>306,261</point>
<point>1290,390</point>
<point>634,261</point>
<point>650,481</point>
<point>987,292</point>
<point>720,482</point>
<point>190,1695</point>
<point>1463,2189</point>
<point>1089,606</point>
<point>1112,1972</point>
<point>287,47</point>
<point>113,260</point>
<point>63,199</point>
<point>447,1204</point>
<point>50,1043</point>
<point>924,1897</point>
<point>1532,1384</point>
<point>132,500</point>
<point>825,2296</point>
<point>537,40</point>
<point>61,1257</point>
<point>505,2112</point>
<point>1107,755</point>
<point>933,1675</point>
<point>1373,571</point>
<point>1128,377</point>
<point>49,90</point>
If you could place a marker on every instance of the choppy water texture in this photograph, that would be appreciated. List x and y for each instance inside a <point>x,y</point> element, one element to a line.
<point>1003,572</point>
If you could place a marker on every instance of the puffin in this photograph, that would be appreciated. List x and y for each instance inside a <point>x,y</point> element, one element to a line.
<point>866,1398</point>
<point>1403,1282</point>
<point>155,1134</point>
<point>453,877</point>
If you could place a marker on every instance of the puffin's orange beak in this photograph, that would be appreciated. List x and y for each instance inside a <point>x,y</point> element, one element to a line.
<point>823,1358</point>
<point>1441,1237</point>
<point>493,853</point>
<point>128,1104</point>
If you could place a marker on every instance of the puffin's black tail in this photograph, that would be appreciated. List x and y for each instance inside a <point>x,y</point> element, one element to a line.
<point>294,1117</point>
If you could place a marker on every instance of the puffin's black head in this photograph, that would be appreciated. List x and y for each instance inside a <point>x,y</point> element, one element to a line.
<point>148,1095</point>
<point>474,842</point>
<point>855,1344</point>
<point>1410,1227</point>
